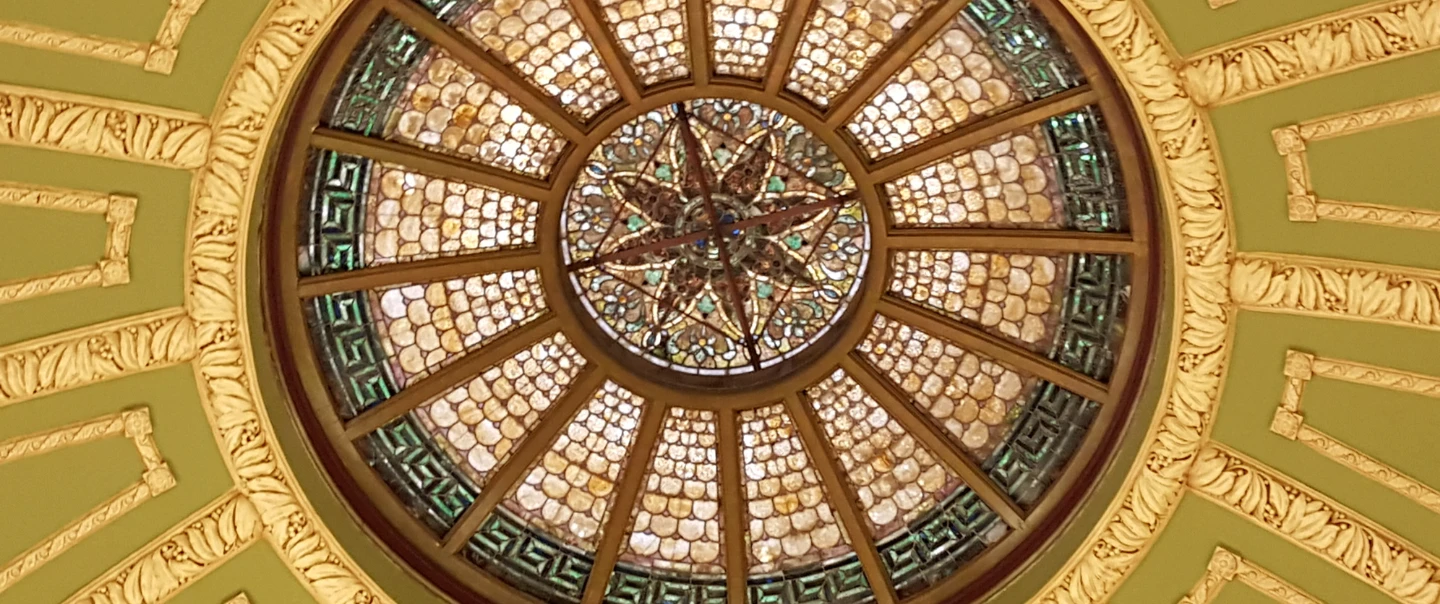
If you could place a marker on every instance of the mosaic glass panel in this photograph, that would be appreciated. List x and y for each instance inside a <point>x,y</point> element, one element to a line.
<point>1019,36</point>
<point>1093,313</point>
<point>375,78</point>
<point>838,582</point>
<point>568,492</point>
<point>931,549</point>
<point>954,80</point>
<point>793,274</point>
<point>414,216</point>
<point>630,585</point>
<point>974,398</point>
<point>447,108</point>
<point>1089,169</point>
<point>895,477</point>
<point>1045,437</point>
<point>842,39</point>
<point>418,471</point>
<point>542,40</point>
<point>427,326</point>
<point>531,561</point>
<point>356,366</point>
<point>335,194</point>
<point>480,423</point>
<point>742,33</point>
<point>791,522</point>
<point>653,32</point>
<point>1016,296</point>
<point>677,517</point>
<point>1011,181</point>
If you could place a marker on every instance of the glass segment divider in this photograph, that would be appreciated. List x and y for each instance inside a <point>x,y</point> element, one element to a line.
<point>614,58</point>
<point>697,36</point>
<point>451,376</point>
<point>442,268</point>
<point>980,239</point>
<point>505,78</point>
<point>902,410</point>
<point>842,497</point>
<point>793,22</point>
<point>431,162</point>
<point>538,440</point>
<point>622,511</point>
<point>732,507</point>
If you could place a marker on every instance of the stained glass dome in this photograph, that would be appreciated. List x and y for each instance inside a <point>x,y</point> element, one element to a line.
<point>711,301</point>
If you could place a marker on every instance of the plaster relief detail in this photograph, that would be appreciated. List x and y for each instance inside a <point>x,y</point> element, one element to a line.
<point>239,598</point>
<point>1188,166</point>
<point>112,269</point>
<point>179,557</point>
<point>75,123</point>
<point>1226,566</point>
<point>1306,518</point>
<point>96,353</point>
<point>1289,421</point>
<point>1312,49</point>
<point>1305,206</point>
<point>154,480</point>
<point>1220,3</point>
<point>1337,289</point>
<point>156,56</point>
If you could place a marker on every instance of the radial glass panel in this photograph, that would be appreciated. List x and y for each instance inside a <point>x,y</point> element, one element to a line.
<point>743,33</point>
<point>653,32</point>
<point>1012,295</point>
<point>414,216</point>
<point>843,38</point>
<point>677,517</point>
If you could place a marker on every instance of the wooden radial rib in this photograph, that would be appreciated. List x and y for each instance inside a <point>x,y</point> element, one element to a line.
<point>977,340</point>
<point>451,376</point>
<point>981,131</point>
<point>732,507</point>
<point>892,59</point>
<point>1017,240</point>
<point>430,162</point>
<point>534,100</point>
<point>628,489</point>
<point>898,405</point>
<point>615,59</point>
<point>421,271</point>
<point>697,35</point>
<point>792,25</point>
<point>842,498</point>
<point>538,440</point>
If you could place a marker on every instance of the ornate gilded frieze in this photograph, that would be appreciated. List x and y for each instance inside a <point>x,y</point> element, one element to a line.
<point>96,353</point>
<point>77,123</point>
<point>1339,289</point>
<point>1289,421</point>
<point>1311,49</point>
<point>157,55</point>
<point>112,269</point>
<point>1306,206</point>
<point>133,424</point>
<point>1226,566</point>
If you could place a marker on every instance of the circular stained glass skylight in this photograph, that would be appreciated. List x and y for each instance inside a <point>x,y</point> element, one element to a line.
<point>714,237</point>
<point>710,301</point>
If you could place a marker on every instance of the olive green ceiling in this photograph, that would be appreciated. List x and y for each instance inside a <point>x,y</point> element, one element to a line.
<point>1392,166</point>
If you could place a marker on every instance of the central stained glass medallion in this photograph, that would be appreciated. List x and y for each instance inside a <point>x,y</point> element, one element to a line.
<point>715,237</point>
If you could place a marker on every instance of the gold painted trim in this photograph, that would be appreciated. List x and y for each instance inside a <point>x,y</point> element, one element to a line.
<point>1226,566</point>
<point>1291,142</point>
<point>95,353</point>
<point>87,125</point>
<point>182,555</point>
<point>1299,514</point>
<point>1289,421</point>
<point>1337,289</point>
<point>1220,3</point>
<point>154,480</point>
<point>1312,49</point>
<point>156,56</point>
<point>112,269</point>
<point>239,598</point>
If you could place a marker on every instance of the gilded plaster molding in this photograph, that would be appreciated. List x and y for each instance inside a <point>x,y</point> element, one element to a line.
<point>75,123</point>
<point>1226,566</point>
<point>95,353</point>
<point>1337,289</point>
<point>1220,3</point>
<point>157,56</point>
<point>155,479</point>
<point>1316,523</point>
<point>112,269</point>
<point>179,557</point>
<point>239,598</point>
<point>1312,49</point>
<point>1289,420</point>
<point>1292,142</point>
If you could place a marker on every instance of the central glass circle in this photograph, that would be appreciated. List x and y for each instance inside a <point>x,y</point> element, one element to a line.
<point>715,237</point>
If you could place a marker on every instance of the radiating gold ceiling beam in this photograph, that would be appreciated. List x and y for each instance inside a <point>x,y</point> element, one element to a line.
<point>420,271</point>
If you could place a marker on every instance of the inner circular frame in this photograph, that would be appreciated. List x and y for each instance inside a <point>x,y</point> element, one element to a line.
<point>754,371</point>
